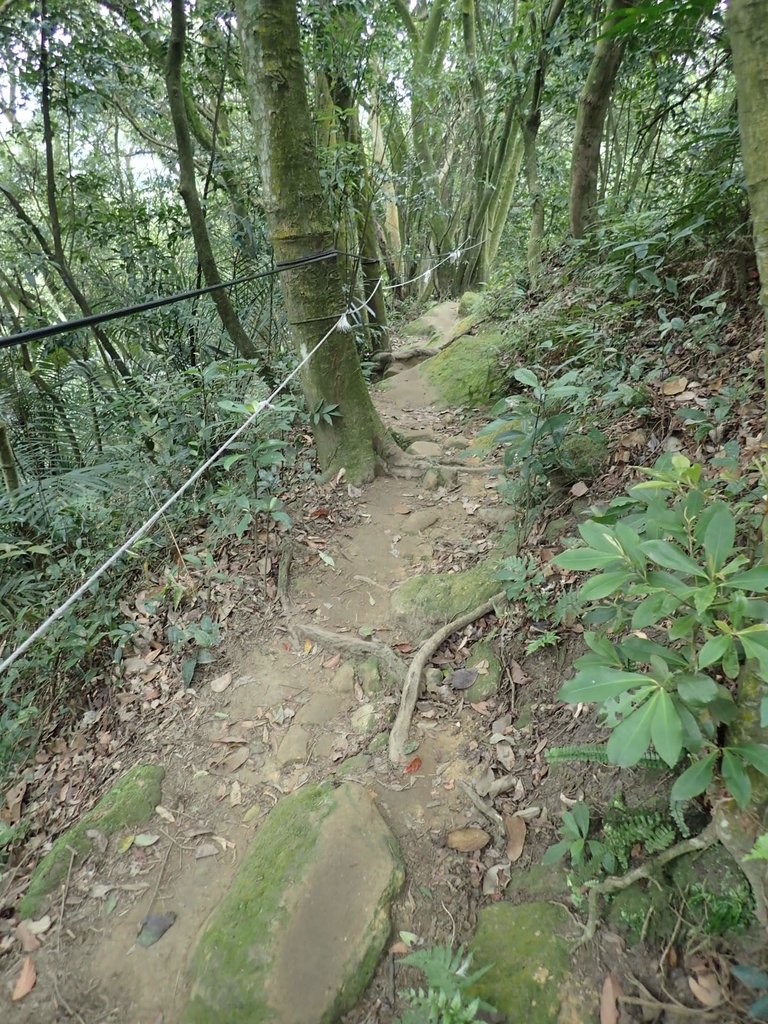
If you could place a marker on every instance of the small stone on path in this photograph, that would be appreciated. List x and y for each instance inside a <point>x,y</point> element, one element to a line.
<point>421,520</point>
<point>425,449</point>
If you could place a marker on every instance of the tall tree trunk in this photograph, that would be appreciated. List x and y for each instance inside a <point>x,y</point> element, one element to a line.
<point>188,186</point>
<point>7,462</point>
<point>530,137</point>
<point>363,213</point>
<point>299,226</point>
<point>590,122</point>
<point>748,28</point>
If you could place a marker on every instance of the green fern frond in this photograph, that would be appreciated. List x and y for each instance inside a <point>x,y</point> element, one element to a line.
<point>594,754</point>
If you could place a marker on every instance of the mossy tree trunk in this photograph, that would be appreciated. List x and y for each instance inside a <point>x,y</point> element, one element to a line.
<point>299,226</point>
<point>188,186</point>
<point>7,462</point>
<point>590,122</point>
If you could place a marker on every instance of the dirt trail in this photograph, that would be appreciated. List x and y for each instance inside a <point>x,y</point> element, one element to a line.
<point>302,715</point>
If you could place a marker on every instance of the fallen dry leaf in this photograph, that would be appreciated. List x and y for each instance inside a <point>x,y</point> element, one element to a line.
<point>220,683</point>
<point>164,813</point>
<point>467,840</point>
<point>707,989</point>
<point>25,981</point>
<point>13,800</point>
<point>235,794</point>
<point>609,1000</point>
<point>516,830</point>
<point>579,489</point>
<point>399,949</point>
<point>29,941</point>
<point>333,662</point>
<point>413,766</point>
<point>236,759</point>
<point>401,510</point>
<point>674,386</point>
<point>205,850</point>
<point>153,928</point>
<point>462,678</point>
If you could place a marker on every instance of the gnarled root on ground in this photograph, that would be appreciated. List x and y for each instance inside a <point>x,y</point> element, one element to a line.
<point>613,885</point>
<point>398,463</point>
<point>398,736</point>
<point>328,638</point>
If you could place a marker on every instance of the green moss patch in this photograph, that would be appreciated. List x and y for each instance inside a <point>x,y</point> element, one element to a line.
<point>426,601</point>
<point>467,372</point>
<point>528,948</point>
<point>469,303</point>
<point>130,801</point>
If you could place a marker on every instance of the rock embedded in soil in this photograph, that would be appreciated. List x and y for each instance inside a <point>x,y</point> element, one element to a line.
<point>298,936</point>
<point>344,679</point>
<point>131,801</point>
<point>528,946</point>
<point>468,371</point>
<point>369,676</point>
<point>426,602</point>
<point>294,747</point>
<point>487,684</point>
<point>425,449</point>
<point>364,719</point>
<point>421,520</point>
<point>467,840</point>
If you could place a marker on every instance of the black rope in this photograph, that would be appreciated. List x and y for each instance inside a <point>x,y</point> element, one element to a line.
<point>37,333</point>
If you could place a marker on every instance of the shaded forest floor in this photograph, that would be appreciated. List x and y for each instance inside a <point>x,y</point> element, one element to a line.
<point>275,713</point>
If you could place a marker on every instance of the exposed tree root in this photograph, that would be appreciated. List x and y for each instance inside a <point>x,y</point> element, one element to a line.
<point>610,886</point>
<point>341,642</point>
<point>398,737</point>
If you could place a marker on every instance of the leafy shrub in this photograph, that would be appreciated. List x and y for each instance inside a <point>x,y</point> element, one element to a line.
<point>669,564</point>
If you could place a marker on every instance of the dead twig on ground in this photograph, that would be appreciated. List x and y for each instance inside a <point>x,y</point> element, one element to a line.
<point>398,736</point>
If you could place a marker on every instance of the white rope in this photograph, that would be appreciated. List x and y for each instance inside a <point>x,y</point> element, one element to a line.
<point>452,257</point>
<point>142,530</point>
<point>342,324</point>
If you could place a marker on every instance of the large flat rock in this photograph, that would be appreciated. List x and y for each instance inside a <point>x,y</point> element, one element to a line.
<point>299,934</point>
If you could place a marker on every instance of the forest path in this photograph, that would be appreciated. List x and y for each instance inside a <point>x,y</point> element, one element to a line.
<point>292,714</point>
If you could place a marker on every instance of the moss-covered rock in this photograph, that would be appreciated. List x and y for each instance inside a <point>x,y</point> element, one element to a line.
<point>130,801</point>
<point>357,765</point>
<point>424,602</point>
<point>469,303</point>
<point>467,372</point>
<point>369,676</point>
<point>299,933</point>
<point>487,684</point>
<point>539,881</point>
<point>421,328</point>
<point>528,947</point>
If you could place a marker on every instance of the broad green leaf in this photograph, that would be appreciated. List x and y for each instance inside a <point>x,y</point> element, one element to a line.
<point>672,557</point>
<point>527,377</point>
<point>703,597</point>
<point>603,586</point>
<point>719,537</point>
<point>694,780</point>
<point>755,650</point>
<point>583,559</point>
<point>580,813</point>
<point>630,740</point>
<point>736,779</point>
<point>556,853</point>
<point>639,649</point>
<point>602,646</point>
<point>696,688</point>
<point>730,662</point>
<point>750,976</point>
<point>630,542</point>
<point>683,626</point>
<point>713,650</point>
<point>599,684</point>
<point>755,754</point>
<point>653,609</point>
<point>666,729</point>
<point>600,537</point>
<point>754,580</point>
<point>764,713</point>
